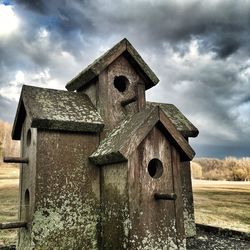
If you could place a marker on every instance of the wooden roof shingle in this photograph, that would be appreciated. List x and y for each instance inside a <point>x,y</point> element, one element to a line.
<point>94,69</point>
<point>56,109</point>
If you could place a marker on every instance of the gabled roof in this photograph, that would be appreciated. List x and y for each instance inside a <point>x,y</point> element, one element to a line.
<point>94,69</point>
<point>118,146</point>
<point>56,109</point>
<point>182,124</point>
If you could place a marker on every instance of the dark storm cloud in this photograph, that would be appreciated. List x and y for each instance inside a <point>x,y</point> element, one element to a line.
<point>218,24</point>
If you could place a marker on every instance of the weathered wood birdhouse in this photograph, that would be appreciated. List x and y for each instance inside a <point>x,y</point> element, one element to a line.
<point>101,167</point>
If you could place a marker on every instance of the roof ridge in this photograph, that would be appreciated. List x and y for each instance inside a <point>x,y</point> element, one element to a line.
<point>103,61</point>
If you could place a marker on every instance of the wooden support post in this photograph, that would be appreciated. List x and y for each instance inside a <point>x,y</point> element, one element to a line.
<point>9,225</point>
<point>16,159</point>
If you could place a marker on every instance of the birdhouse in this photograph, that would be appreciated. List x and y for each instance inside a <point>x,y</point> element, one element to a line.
<point>102,168</point>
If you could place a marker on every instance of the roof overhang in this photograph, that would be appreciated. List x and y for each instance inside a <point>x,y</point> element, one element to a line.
<point>56,110</point>
<point>124,47</point>
<point>118,146</point>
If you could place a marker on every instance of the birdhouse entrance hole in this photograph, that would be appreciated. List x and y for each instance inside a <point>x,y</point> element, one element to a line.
<point>155,168</point>
<point>121,83</point>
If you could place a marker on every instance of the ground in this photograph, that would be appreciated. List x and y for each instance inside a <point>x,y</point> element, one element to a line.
<point>222,204</point>
<point>218,240</point>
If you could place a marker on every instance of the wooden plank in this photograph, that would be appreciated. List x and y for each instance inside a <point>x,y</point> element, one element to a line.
<point>188,202</point>
<point>141,99</point>
<point>178,139</point>
<point>94,69</point>
<point>178,202</point>
<point>153,221</point>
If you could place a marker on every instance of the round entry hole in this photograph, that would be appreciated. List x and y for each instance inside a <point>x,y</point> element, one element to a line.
<point>155,168</point>
<point>121,83</point>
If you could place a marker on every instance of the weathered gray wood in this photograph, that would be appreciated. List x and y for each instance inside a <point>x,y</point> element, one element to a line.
<point>115,207</point>
<point>128,101</point>
<point>124,139</point>
<point>10,225</point>
<point>179,141</point>
<point>141,96</point>
<point>152,222</point>
<point>181,123</point>
<point>56,110</point>
<point>100,64</point>
<point>188,202</point>
<point>67,191</point>
<point>118,146</point>
<point>110,99</point>
<point>178,202</point>
<point>27,183</point>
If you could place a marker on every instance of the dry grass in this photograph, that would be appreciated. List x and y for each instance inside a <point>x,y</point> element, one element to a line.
<point>222,203</point>
<point>9,181</point>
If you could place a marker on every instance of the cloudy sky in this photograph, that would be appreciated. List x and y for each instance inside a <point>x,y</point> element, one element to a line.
<point>199,50</point>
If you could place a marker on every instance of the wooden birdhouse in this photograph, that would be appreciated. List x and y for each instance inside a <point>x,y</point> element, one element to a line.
<point>101,168</point>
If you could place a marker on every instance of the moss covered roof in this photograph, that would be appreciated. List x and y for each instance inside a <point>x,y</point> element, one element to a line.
<point>123,47</point>
<point>56,109</point>
<point>124,139</point>
<point>182,124</point>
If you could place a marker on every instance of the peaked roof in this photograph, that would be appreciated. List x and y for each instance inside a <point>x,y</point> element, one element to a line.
<point>117,146</point>
<point>182,124</point>
<point>56,109</point>
<point>94,69</point>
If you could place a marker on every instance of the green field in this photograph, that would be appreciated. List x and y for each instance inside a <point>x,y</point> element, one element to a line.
<point>218,203</point>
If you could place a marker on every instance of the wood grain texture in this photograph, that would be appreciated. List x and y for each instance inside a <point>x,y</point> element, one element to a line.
<point>177,185</point>
<point>153,223</point>
<point>187,152</point>
<point>181,123</point>
<point>117,146</point>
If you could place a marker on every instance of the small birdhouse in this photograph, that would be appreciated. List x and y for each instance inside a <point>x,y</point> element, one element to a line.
<point>102,168</point>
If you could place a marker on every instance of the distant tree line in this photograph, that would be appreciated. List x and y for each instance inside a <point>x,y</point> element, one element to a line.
<point>230,168</point>
<point>8,147</point>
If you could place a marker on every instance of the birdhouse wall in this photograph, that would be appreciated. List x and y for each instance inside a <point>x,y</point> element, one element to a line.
<point>27,181</point>
<point>67,192</point>
<point>112,92</point>
<point>115,206</point>
<point>155,223</point>
<point>188,202</point>
<point>133,219</point>
<point>91,90</point>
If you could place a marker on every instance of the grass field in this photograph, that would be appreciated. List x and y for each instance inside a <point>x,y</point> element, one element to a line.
<point>218,203</point>
<point>9,180</point>
<point>222,203</point>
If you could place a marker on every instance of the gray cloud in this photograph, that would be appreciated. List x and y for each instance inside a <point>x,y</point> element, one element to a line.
<point>7,109</point>
<point>199,50</point>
